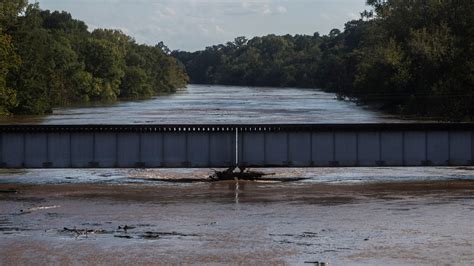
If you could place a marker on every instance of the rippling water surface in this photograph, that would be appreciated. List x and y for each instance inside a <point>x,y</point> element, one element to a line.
<point>223,104</point>
<point>218,104</point>
<point>363,216</point>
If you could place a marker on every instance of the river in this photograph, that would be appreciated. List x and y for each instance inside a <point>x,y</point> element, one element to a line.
<point>217,104</point>
<point>340,216</point>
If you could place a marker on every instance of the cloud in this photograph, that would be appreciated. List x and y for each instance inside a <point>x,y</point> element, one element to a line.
<point>195,24</point>
<point>219,29</point>
<point>265,7</point>
<point>162,11</point>
<point>281,9</point>
<point>170,11</point>
<point>203,29</point>
<point>352,15</point>
<point>266,10</point>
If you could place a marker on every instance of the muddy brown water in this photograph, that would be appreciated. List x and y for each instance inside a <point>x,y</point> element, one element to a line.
<point>362,216</point>
<point>216,104</point>
<point>249,222</point>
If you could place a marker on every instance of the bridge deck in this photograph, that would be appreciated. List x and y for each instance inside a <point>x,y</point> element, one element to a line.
<point>203,146</point>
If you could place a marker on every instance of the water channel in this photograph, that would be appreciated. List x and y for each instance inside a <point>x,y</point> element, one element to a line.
<point>368,216</point>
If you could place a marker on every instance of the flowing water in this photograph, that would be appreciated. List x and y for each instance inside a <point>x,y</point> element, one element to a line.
<point>336,215</point>
<point>218,104</point>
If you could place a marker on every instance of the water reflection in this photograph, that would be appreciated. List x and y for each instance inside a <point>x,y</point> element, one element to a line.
<point>236,191</point>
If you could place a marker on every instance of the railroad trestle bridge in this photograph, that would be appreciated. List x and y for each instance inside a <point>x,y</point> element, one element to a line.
<point>233,145</point>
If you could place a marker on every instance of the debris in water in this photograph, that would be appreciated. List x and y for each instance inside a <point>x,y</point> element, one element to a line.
<point>43,208</point>
<point>14,191</point>
<point>123,236</point>
<point>125,228</point>
<point>85,232</point>
<point>208,224</point>
<point>231,174</point>
<point>150,235</point>
<point>173,234</point>
<point>317,263</point>
<point>38,209</point>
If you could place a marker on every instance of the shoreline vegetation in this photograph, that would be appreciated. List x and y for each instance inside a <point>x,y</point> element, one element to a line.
<point>48,59</point>
<point>409,58</point>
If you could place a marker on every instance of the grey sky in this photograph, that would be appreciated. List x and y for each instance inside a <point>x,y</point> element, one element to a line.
<point>194,24</point>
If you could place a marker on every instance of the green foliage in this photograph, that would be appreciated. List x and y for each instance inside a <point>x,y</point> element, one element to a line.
<point>49,59</point>
<point>134,83</point>
<point>270,60</point>
<point>405,57</point>
<point>103,59</point>
<point>9,10</point>
<point>9,60</point>
<point>421,69</point>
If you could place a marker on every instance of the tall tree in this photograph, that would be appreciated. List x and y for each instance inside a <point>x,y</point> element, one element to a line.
<point>9,60</point>
<point>405,57</point>
<point>50,59</point>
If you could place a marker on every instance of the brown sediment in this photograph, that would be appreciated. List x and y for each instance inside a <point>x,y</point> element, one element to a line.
<point>249,223</point>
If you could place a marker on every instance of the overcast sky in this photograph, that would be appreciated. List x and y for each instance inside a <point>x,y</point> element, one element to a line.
<point>194,24</point>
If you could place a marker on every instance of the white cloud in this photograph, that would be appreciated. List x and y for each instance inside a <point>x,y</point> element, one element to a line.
<point>219,29</point>
<point>170,11</point>
<point>195,24</point>
<point>266,10</point>
<point>264,7</point>
<point>281,9</point>
<point>352,15</point>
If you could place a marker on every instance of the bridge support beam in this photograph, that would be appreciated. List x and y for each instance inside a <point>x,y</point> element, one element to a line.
<point>204,146</point>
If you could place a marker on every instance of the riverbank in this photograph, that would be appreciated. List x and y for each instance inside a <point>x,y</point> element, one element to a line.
<point>413,222</point>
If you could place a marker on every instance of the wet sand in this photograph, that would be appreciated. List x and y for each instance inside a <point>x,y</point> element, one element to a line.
<point>417,222</point>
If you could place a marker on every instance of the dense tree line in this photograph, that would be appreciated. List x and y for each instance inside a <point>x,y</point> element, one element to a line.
<point>405,57</point>
<point>49,59</point>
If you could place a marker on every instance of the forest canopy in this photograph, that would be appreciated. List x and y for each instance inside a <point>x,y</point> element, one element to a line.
<point>404,57</point>
<point>413,58</point>
<point>49,59</point>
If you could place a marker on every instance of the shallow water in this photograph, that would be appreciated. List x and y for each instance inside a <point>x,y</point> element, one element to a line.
<point>400,223</point>
<point>359,175</point>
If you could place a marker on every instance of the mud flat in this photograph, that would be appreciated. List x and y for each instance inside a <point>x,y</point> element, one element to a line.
<point>419,222</point>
